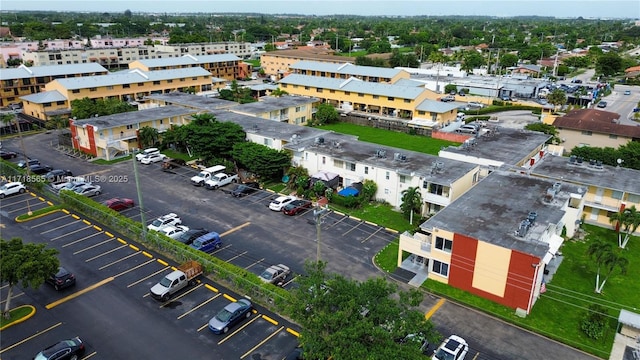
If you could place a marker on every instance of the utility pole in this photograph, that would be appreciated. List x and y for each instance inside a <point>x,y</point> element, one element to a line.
<point>135,174</point>
<point>318,214</point>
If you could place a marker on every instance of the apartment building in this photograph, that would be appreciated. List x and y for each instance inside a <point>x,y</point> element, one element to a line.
<point>23,80</point>
<point>498,240</point>
<point>108,137</point>
<point>608,189</point>
<point>347,70</point>
<point>112,58</point>
<point>297,110</point>
<point>223,66</point>
<point>126,86</point>
<point>241,49</point>
<point>595,128</point>
<point>277,64</point>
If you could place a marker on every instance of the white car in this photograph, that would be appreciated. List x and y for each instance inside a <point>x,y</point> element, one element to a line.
<point>275,274</point>
<point>152,158</point>
<point>88,190</point>
<point>12,188</point>
<point>146,152</point>
<point>171,219</point>
<point>454,347</point>
<point>280,202</point>
<point>174,231</point>
<point>69,180</point>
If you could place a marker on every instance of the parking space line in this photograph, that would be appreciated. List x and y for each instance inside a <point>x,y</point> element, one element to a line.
<point>28,207</point>
<point>270,320</point>
<point>162,262</point>
<point>59,227</point>
<point>105,253</point>
<point>434,308</point>
<point>262,342</point>
<point>75,216</point>
<point>290,281</point>
<point>199,306</point>
<point>229,297</point>
<point>30,337</point>
<point>255,263</point>
<point>202,327</point>
<point>211,288</point>
<point>13,297</point>
<point>370,236</point>
<point>476,356</point>
<point>256,317</point>
<point>237,256</point>
<point>222,248</point>
<point>78,293</point>
<point>293,332</point>
<point>86,222</point>
<point>147,254</point>
<point>50,221</point>
<point>181,295</point>
<point>339,221</point>
<point>134,268</point>
<point>146,277</point>
<point>81,239</point>
<point>353,228</point>
<point>89,356</point>
<point>92,246</point>
<point>234,229</point>
<point>69,233</point>
<point>117,261</point>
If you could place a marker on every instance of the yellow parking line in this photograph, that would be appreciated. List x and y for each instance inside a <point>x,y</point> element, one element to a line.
<point>134,247</point>
<point>211,288</point>
<point>270,320</point>
<point>86,222</point>
<point>434,308</point>
<point>162,262</point>
<point>147,254</point>
<point>293,332</point>
<point>97,228</point>
<point>75,216</point>
<point>238,329</point>
<point>78,293</point>
<point>229,298</point>
<point>122,241</point>
<point>262,342</point>
<point>234,229</point>
<point>30,337</point>
<point>108,234</point>
<point>66,211</point>
<point>49,203</point>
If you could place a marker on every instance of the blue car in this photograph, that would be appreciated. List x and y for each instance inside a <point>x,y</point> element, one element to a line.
<point>207,242</point>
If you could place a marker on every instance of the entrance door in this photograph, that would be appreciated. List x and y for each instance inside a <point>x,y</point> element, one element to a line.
<point>598,197</point>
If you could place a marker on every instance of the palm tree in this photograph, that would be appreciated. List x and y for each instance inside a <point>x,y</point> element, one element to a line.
<point>607,259</point>
<point>557,97</point>
<point>148,136</point>
<point>411,202</point>
<point>627,221</point>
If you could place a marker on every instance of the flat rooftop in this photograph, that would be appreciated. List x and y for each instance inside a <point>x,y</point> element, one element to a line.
<point>136,117</point>
<point>193,101</point>
<point>492,210</point>
<point>271,103</point>
<point>508,146</point>
<point>560,168</point>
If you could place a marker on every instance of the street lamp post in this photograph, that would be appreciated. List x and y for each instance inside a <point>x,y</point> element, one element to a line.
<point>318,214</point>
<point>135,174</point>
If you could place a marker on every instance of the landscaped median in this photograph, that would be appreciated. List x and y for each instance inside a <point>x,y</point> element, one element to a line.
<point>17,315</point>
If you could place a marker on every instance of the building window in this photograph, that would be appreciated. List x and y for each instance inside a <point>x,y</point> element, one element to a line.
<point>387,175</point>
<point>60,102</point>
<point>436,189</point>
<point>407,101</point>
<point>366,170</point>
<point>126,86</point>
<point>347,93</point>
<point>633,198</point>
<point>440,268</point>
<point>319,90</point>
<point>129,127</point>
<point>403,179</point>
<point>338,164</point>
<point>587,133</point>
<point>360,94</point>
<point>351,166</point>
<point>169,81</point>
<point>443,244</point>
<point>386,191</point>
<point>156,82</point>
<point>390,98</point>
<point>93,89</point>
<point>376,96</point>
<point>332,91</point>
<point>616,194</point>
<point>611,136</point>
<point>267,142</point>
<point>324,160</point>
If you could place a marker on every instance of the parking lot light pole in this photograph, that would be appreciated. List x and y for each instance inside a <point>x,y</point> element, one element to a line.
<point>318,214</point>
<point>135,175</point>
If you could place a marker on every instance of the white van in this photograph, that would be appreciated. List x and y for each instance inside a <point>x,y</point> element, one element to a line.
<point>146,152</point>
<point>206,174</point>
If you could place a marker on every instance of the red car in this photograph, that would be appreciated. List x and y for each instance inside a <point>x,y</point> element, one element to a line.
<point>119,204</point>
<point>296,206</point>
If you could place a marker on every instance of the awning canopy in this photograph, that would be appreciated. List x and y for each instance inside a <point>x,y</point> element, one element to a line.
<point>349,191</point>
<point>554,244</point>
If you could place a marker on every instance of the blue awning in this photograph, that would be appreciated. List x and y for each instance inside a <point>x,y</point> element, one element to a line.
<point>349,191</point>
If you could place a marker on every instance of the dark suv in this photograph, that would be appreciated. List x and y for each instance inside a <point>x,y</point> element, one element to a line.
<point>245,189</point>
<point>23,164</point>
<point>62,279</point>
<point>189,236</point>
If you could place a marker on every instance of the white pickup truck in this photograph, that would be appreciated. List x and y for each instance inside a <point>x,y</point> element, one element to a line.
<point>176,280</point>
<point>220,179</point>
<point>206,174</point>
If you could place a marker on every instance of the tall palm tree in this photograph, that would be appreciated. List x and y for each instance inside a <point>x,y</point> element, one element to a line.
<point>607,259</point>
<point>627,221</point>
<point>411,202</point>
<point>148,136</point>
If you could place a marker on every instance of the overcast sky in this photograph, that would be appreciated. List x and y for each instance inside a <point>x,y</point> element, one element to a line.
<point>506,8</point>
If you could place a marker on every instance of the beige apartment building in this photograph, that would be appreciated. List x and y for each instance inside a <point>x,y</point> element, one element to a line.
<point>277,64</point>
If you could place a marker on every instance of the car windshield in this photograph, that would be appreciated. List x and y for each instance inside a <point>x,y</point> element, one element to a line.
<point>267,275</point>
<point>202,174</point>
<point>444,355</point>
<point>157,222</point>
<point>165,282</point>
<point>197,244</point>
<point>224,315</point>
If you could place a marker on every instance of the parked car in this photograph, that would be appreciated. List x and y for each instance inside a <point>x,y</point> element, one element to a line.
<point>626,92</point>
<point>295,354</point>
<point>39,169</point>
<point>207,242</point>
<point>448,98</point>
<point>505,98</point>
<point>119,204</point>
<point>56,174</point>
<point>65,349</point>
<point>72,185</point>
<point>278,203</point>
<point>454,347</point>
<point>89,190</point>
<point>174,231</point>
<point>11,188</point>
<point>61,279</point>
<point>602,104</point>
<point>189,236</point>
<point>245,189</point>
<point>7,154</point>
<point>275,274</point>
<point>296,206</point>
<point>474,105</point>
<point>467,129</point>
<point>185,275</point>
<point>145,152</point>
<point>152,158</point>
<point>230,315</point>
<point>169,219</point>
<point>23,164</point>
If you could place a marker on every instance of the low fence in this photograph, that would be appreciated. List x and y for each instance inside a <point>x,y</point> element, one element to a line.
<point>386,123</point>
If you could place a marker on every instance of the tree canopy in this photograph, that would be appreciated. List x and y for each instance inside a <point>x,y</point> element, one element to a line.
<point>262,160</point>
<point>85,108</point>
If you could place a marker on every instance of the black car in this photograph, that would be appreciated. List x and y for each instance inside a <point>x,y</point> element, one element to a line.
<point>245,189</point>
<point>39,169</point>
<point>602,104</point>
<point>65,349</point>
<point>190,235</point>
<point>57,174</point>
<point>7,154</point>
<point>23,164</point>
<point>295,354</point>
<point>62,279</point>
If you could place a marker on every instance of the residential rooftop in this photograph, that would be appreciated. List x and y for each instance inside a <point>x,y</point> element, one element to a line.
<point>597,121</point>
<point>136,117</point>
<point>188,60</point>
<point>272,103</point>
<point>493,210</point>
<point>130,77</point>
<point>588,174</point>
<point>192,101</point>
<point>24,72</point>
<point>439,107</point>
<point>354,85</point>
<point>346,69</point>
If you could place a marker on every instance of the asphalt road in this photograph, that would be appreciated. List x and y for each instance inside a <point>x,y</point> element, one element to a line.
<point>254,237</point>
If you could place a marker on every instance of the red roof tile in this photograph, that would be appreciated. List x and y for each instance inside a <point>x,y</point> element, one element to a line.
<point>598,121</point>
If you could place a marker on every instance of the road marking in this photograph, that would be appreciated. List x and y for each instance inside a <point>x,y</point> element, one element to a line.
<point>86,222</point>
<point>220,249</point>
<point>50,221</point>
<point>476,356</point>
<point>56,228</point>
<point>293,332</point>
<point>199,306</point>
<point>30,337</point>
<point>78,293</point>
<point>117,261</point>
<point>353,228</point>
<point>235,257</point>
<point>370,236</point>
<point>228,297</point>
<point>339,221</point>
<point>134,268</point>
<point>290,281</point>
<point>211,288</point>
<point>270,320</point>
<point>234,229</point>
<point>146,277</point>
<point>81,239</point>
<point>89,356</point>
<point>181,295</point>
<point>147,254</point>
<point>434,308</point>
<point>105,253</point>
<point>92,246</point>
<point>13,297</point>
<point>108,234</point>
<point>134,247</point>
<point>239,329</point>
<point>203,327</point>
<point>255,263</point>
<point>262,342</point>
<point>69,233</point>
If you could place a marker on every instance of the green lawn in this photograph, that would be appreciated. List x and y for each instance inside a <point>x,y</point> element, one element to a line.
<point>416,143</point>
<point>15,315</point>
<point>109,162</point>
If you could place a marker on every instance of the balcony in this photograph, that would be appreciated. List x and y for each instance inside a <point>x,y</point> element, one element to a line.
<point>418,244</point>
<point>599,205</point>
<point>431,198</point>
<point>281,118</point>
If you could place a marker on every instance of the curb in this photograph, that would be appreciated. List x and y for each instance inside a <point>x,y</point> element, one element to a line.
<point>36,216</point>
<point>33,312</point>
